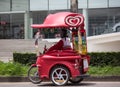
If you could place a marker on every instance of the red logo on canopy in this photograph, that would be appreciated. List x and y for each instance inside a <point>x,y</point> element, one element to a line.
<point>74,20</point>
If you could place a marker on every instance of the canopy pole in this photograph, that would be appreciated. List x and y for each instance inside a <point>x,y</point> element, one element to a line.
<point>74,6</point>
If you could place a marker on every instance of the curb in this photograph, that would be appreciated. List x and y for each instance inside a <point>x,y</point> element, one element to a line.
<point>103,78</point>
<point>91,78</point>
<point>14,79</point>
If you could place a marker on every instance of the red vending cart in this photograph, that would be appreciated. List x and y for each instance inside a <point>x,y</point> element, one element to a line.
<point>62,62</point>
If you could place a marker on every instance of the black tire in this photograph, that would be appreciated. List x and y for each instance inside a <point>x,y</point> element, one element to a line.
<point>118,28</point>
<point>33,75</point>
<point>60,75</point>
<point>76,80</point>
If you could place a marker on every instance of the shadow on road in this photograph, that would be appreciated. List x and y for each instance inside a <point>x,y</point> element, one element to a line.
<point>69,84</point>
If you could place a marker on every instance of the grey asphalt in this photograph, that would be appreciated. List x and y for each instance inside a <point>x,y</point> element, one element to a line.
<point>91,78</point>
<point>49,84</point>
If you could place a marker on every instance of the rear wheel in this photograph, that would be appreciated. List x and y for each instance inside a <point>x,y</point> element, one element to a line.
<point>76,80</point>
<point>60,75</point>
<point>33,75</point>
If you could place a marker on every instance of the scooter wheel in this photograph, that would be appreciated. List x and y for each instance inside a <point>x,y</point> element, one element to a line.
<point>60,75</point>
<point>33,75</point>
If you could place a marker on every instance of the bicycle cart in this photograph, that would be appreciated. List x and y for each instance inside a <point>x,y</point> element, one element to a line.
<point>62,62</point>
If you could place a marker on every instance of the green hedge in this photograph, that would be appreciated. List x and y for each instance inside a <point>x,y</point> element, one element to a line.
<point>105,58</point>
<point>24,58</point>
<point>97,59</point>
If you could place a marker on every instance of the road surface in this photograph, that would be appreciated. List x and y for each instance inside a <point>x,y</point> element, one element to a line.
<point>49,84</point>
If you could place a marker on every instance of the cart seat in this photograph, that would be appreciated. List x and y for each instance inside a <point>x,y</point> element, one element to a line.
<point>64,52</point>
<point>58,57</point>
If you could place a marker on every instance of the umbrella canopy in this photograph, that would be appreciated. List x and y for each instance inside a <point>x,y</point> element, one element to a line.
<point>61,19</point>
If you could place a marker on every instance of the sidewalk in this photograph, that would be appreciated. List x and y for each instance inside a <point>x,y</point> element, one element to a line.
<point>91,78</point>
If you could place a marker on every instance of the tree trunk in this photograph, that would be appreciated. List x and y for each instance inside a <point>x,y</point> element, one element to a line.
<point>74,6</point>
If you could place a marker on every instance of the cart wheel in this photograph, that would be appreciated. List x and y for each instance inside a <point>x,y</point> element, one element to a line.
<point>33,75</point>
<point>60,75</point>
<point>76,80</point>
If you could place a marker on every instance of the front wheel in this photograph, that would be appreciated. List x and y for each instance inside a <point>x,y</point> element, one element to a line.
<point>33,75</point>
<point>118,29</point>
<point>60,75</point>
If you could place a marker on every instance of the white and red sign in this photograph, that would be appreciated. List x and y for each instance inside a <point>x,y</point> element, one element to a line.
<point>74,20</point>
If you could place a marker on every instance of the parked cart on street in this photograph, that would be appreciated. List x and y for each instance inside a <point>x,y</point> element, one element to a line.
<point>67,60</point>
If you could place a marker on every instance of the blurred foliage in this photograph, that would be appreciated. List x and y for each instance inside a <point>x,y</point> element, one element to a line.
<point>24,58</point>
<point>12,69</point>
<point>104,71</point>
<point>105,59</point>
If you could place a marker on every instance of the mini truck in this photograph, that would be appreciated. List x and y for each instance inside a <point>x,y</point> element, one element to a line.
<point>58,63</point>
